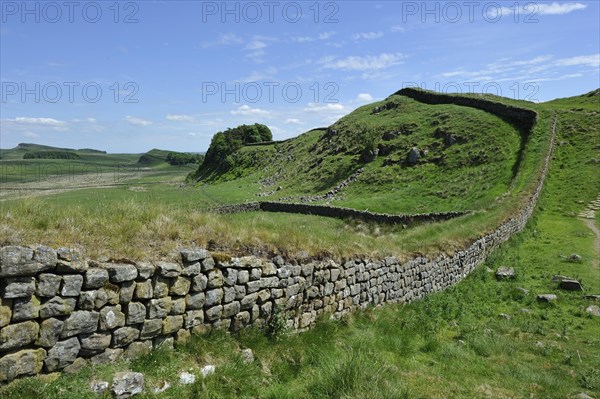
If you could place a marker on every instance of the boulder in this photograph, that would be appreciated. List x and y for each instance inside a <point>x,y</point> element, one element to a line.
<point>413,156</point>
<point>570,285</point>
<point>547,298</point>
<point>50,330</point>
<point>71,285</point>
<point>594,310</point>
<point>186,378</point>
<point>119,272</point>
<point>17,287</point>
<point>18,261</point>
<point>17,335</point>
<point>168,269</point>
<point>57,306</point>
<point>111,317</point>
<point>80,322</point>
<point>194,255</point>
<point>48,285</point>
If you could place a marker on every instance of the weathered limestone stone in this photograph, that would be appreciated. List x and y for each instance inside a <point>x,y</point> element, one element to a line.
<point>145,270</point>
<point>18,261</point>
<point>215,279</point>
<point>594,310</point>
<point>151,328</point>
<point>46,256</point>
<point>228,294</point>
<point>80,322</point>
<point>199,283</point>
<point>172,324</point>
<point>570,285</point>
<point>255,274</point>
<point>17,287</point>
<point>71,285</point>
<point>136,313</point>
<point>243,276</point>
<point>101,298</point>
<point>546,298</point>
<point>18,335</point>
<point>249,300</point>
<point>194,318</point>
<point>178,306</point>
<point>159,308</point>
<point>168,269</point>
<point>230,277</point>
<point>26,308</point>
<point>124,336</point>
<point>143,290</point>
<point>98,386</point>
<point>231,309</point>
<point>62,354</point>
<point>247,355</point>
<point>22,363</point>
<point>505,273</point>
<point>57,306</point>
<point>182,335</point>
<point>240,291</point>
<point>107,357</point>
<point>111,317</point>
<point>48,285</point>
<point>5,311</point>
<point>193,255</point>
<point>71,260</point>
<point>76,366</point>
<point>95,278</point>
<point>126,385</point>
<point>214,297</point>
<point>137,349</point>
<point>208,264</point>
<point>213,313</point>
<point>161,287</point>
<point>94,343</point>
<point>119,272</point>
<point>253,286</point>
<point>87,300</point>
<point>193,269</point>
<point>268,269</point>
<point>164,341</point>
<point>181,286</point>
<point>195,301</point>
<point>126,292</point>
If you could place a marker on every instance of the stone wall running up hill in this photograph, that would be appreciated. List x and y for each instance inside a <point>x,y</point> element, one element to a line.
<point>57,306</point>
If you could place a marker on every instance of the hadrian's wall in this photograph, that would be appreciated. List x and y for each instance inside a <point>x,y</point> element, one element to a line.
<point>57,306</point>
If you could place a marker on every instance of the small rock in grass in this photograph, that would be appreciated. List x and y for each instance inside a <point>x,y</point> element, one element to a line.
<point>575,258</point>
<point>208,370</point>
<point>186,378</point>
<point>593,297</point>
<point>582,395</point>
<point>505,273</point>
<point>547,298</point>
<point>165,385</point>
<point>125,385</point>
<point>247,355</point>
<point>98,386</point>
<point>505,316</point>
<point>525,310</point>
<point>594,310</point>
<point>522,290</point>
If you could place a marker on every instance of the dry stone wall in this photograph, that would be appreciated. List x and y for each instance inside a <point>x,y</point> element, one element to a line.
<point>57,306</point>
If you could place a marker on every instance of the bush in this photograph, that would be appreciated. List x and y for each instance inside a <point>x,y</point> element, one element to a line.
<point>180,158</point>
<point>226,143</point>
<point>51,155</point>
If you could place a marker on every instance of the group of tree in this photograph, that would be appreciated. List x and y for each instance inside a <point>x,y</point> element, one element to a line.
<point>51,155</point>
<point>226,143</point>
<point>182,158</point>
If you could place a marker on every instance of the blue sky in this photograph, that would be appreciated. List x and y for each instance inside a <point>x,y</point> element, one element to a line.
<point>131,76</point>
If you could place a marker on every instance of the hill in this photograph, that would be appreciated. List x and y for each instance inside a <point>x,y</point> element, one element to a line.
<point>413,156</point>
<point>22,148</point>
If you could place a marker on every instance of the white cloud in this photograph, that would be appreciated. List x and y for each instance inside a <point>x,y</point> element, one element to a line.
<point>132,120</point>
<point>181,118</point>
<point>364,63</point>
<point>92,120</point>
<point>398,28</point>
<point>245,110</point>
<point>557,9</point>
<point>367,35</point>
<point>47,122</point>
<point>30,134</point>
<point>364,97</point>
<point>308,39</point>
<point>585,60</point>
<point>255,45</point>
<point>328,107</point>
<point>293,121</point>
<point>224,40</point>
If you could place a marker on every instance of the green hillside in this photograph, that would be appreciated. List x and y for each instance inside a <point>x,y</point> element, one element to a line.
<point>454,144</point>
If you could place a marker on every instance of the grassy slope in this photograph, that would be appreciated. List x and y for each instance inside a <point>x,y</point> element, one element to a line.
<point>453,344</point>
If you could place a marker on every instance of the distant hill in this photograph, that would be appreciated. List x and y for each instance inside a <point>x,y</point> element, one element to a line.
<point>21,149</point>
<point>153,157</point>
